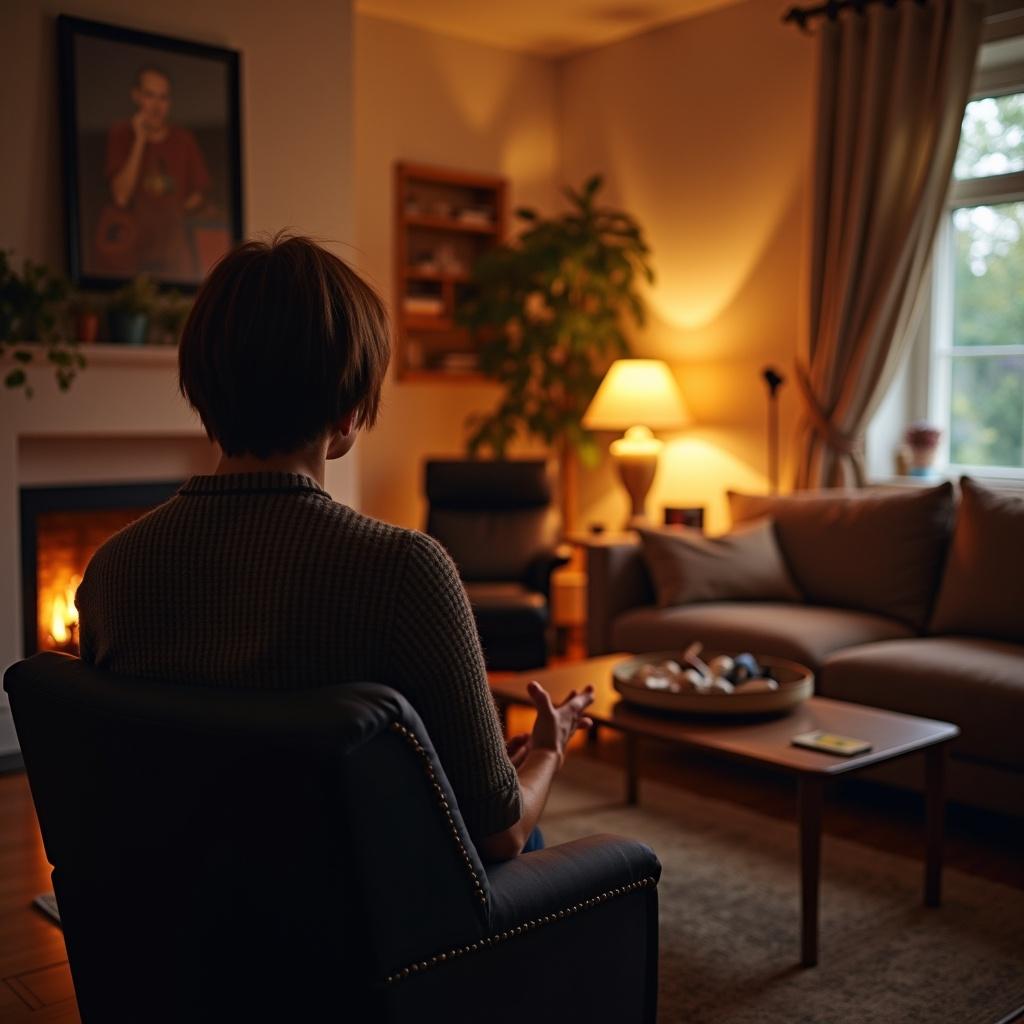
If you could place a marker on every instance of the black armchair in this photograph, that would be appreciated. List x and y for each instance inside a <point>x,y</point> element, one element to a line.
<point>249,856</point>
<point>500,524</point>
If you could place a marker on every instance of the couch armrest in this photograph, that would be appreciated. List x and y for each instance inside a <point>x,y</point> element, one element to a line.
<point>538,572</point>
<point>617,580</point>
<point>535,885</point>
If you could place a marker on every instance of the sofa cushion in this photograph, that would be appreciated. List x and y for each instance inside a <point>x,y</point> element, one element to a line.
<point>804,633</point>
<point>976,684</point>
<point>744,565</point>
<point>878,551</point>
<point>982,591</point>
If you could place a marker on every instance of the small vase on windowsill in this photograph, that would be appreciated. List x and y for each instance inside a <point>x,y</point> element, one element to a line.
<point>922,440</point>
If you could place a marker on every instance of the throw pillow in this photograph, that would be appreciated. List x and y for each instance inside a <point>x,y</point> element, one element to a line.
<point>685,566</point>
<point>982,592</point>
<point>875,551</point>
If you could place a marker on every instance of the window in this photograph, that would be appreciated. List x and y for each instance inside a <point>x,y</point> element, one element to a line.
<point>977,365</point>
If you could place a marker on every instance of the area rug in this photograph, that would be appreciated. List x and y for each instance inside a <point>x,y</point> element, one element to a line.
<point>729,913</point>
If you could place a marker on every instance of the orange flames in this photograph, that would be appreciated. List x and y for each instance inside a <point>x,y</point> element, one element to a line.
<point>62,618</point>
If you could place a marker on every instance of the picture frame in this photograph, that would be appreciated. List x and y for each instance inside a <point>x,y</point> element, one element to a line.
<point>690,517</point>
<point>152,154</point>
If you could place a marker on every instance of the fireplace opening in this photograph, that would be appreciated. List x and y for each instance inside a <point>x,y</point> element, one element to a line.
<point>61,529</point>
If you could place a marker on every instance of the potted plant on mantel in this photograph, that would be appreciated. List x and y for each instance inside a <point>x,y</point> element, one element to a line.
<point>30,306</point>
<point>129,310</point>
<point>548,316</point>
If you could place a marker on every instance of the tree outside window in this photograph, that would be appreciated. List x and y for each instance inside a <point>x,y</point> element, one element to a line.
<point>978,382</point>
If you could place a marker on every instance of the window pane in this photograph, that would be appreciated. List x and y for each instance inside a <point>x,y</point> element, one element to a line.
<point>992,137</point>
<point>988,299</point>
<point>987,411</point>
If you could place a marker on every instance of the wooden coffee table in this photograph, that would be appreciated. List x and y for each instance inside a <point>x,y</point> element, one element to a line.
<point>767,742</point>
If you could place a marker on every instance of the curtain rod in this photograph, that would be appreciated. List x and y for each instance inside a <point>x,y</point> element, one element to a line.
<point>831,8</point>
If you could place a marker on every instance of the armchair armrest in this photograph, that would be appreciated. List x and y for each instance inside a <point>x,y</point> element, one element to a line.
<point>535,885</point>
<point>588,908</point>
<point>538,572</point>
<point>617,580</point>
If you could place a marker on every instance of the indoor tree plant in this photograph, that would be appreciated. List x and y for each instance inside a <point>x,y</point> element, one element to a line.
<point>548,314</point>
<point>30,308</point>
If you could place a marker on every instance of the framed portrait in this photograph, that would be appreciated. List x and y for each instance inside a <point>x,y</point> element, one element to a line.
<point>152,154</point>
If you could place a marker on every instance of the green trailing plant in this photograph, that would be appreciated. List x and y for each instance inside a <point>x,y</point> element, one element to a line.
<point>31,307</point>
<point>549,313</point>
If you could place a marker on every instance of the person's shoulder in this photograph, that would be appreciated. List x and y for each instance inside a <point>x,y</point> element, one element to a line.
<point>130,539</point>
<point>141,527</point>
<point>418,547</point>
<point>374,531</point>
<point>178,133</point>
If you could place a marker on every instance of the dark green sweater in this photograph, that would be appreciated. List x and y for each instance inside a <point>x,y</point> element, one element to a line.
<point>260,580</point>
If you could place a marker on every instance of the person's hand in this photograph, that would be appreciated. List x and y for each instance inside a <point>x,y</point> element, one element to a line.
<point>139,125</point>
<point>518,747</point>
<point>556,724</point>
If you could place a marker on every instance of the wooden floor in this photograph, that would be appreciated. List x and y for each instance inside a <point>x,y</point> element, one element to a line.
<point>35,985</point>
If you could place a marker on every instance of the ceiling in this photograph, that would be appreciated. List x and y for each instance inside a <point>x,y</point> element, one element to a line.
<point>551,28</point>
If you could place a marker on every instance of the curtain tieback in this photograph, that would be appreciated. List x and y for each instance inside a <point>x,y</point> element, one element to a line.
<point>845,444</point>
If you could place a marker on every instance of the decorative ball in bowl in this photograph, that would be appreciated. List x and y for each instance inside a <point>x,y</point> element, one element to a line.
<point>698,682</point>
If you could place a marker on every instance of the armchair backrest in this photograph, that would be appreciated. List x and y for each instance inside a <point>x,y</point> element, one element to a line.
<point>225,855</point>
<point>496,519</point>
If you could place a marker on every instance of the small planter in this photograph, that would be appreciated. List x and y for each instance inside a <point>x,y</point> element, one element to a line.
<point>87,327</point>
<point>128,328</point>
<point>922,440</point>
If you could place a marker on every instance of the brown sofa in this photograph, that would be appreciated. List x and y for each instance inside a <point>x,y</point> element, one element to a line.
<point>910,601</point>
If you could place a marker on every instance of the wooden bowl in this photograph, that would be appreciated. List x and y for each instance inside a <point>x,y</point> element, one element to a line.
<point>796,684</point>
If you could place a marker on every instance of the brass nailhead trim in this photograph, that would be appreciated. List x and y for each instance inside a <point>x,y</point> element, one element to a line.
<point>410,737</point>
<point>493,940</point>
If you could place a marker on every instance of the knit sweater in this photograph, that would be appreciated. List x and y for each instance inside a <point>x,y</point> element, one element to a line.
<point>260,580</point>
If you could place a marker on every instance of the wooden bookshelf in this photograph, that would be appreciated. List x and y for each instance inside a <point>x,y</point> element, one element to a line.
<point>444,221</point>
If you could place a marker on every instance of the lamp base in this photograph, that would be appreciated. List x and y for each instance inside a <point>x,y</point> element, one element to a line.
<point>636,456</point>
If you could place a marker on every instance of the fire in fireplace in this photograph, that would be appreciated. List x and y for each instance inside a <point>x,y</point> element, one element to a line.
<point>61,529</point>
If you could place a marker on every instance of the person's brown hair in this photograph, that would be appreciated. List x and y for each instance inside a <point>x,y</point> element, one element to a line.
<point>284,339</point>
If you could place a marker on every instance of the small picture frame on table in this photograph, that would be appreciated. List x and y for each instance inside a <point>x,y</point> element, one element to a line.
<point>691,517</point>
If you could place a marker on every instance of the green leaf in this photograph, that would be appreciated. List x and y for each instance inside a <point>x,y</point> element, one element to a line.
<point>22,356</point>
<point>525,213</point>
<point>15,379</point>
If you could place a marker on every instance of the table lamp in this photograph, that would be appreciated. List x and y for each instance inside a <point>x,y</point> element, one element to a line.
<point>638,396</point>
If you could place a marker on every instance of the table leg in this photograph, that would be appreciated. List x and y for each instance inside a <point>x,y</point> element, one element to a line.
<point>935,800</point>
<point>632,775</point>
<point>809,802</point>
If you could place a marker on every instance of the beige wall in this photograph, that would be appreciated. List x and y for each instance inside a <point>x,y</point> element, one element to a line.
<point>702,129</point>
<point>434,99</point>
<point>296,119</point>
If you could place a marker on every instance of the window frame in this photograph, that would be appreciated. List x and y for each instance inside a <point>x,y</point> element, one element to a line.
<point>984,191</point>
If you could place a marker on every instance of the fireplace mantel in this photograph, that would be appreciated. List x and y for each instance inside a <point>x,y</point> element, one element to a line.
<point>123,419</point>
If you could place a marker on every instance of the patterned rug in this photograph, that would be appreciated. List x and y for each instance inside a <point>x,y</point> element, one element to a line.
<point>729,912</point>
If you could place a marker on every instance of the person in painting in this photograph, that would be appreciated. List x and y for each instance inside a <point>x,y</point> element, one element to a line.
<point>157,176</point>
<point>253,577</point>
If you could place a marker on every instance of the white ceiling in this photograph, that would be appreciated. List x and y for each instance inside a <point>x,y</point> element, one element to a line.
<point>551,28</point>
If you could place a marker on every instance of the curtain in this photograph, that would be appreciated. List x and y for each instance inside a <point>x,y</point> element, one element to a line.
<point>893,84</point>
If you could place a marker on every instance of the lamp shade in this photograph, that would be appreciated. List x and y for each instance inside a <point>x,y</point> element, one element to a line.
<point>637,392</point>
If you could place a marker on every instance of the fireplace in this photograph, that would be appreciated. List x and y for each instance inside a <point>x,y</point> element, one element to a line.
<point>61,528</point>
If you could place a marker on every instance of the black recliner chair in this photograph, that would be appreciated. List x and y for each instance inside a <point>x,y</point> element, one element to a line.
<point>501,525</point>
<point>249,856</point>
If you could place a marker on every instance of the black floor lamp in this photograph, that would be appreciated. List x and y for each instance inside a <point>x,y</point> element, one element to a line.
<point>774,380</point>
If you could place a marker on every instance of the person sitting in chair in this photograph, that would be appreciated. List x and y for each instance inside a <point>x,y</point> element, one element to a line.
<point>254,577</point>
